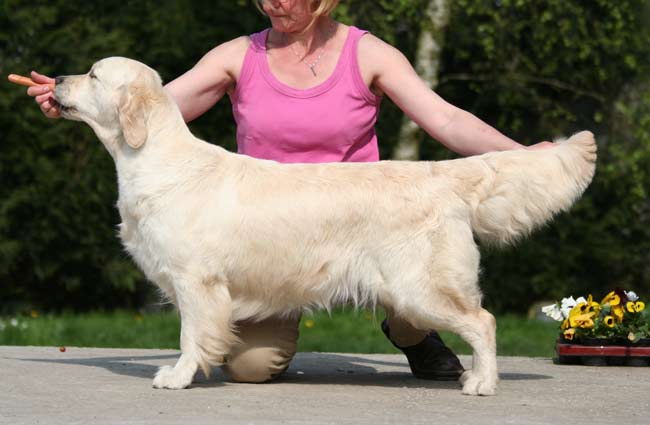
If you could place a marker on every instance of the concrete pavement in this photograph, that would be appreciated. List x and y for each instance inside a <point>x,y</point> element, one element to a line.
<point>41,385</point>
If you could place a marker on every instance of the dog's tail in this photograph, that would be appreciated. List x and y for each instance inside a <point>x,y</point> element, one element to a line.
<point>519,190</point>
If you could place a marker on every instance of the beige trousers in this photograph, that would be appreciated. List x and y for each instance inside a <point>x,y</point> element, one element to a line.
<point>268,346</point>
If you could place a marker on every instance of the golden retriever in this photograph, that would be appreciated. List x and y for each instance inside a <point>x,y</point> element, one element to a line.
<point>228,237</point>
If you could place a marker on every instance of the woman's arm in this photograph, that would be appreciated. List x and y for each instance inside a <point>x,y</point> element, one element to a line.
<point>459,130</point>
<point>217,72</point>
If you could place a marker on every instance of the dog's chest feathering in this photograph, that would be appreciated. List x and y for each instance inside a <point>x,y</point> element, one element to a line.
<point>142,247</point>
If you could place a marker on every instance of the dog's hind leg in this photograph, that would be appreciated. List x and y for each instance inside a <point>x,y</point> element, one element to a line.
<point>206,333</point>
<point>444,295</point>
<point>478,329</point>
<point>472,323</point>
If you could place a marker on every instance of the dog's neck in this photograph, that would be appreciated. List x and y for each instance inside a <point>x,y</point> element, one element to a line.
<point>169,134</point>
<point>170,157</point>
<point>164,144</point>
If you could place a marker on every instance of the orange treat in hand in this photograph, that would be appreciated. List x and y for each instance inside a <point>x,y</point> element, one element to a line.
<point>26,81</point>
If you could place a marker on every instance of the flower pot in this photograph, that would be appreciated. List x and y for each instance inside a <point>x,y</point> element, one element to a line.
<point>603,352</point>
<point>607,342</point>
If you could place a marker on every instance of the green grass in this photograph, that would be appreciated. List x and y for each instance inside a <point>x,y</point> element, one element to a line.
<point>345,331</point>
<point>98,329</point>
<point>359,332</point>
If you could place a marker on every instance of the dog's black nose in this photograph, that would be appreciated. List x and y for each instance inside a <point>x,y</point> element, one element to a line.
<point>59,80</point>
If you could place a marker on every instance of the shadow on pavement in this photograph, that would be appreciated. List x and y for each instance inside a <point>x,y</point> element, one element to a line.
<point>122,365</point>
<point>305,369</point>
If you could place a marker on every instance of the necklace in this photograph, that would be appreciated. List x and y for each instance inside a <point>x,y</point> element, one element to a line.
<point>310,65</point>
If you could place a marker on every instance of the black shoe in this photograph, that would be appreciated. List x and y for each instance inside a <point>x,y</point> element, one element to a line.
<point>430,359</point>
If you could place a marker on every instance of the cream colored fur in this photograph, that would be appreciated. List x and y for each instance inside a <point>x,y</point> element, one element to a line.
<point>228,237</point>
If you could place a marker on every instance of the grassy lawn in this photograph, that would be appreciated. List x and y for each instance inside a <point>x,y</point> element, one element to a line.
<point>345,331</point>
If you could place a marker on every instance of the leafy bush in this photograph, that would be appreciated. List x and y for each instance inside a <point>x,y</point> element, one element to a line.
<point>532,69</point>
<point>537,70</point>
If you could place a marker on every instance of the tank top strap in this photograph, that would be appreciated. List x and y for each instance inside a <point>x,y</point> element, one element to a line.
<point>256,52</point>
<point>355,71</point>
<point>356,33</point>
<point>258,40</point>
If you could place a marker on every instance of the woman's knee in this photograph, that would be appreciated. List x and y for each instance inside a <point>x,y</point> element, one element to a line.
<point>402,332</point>
<point>256,365</point>
<point>265,350</point>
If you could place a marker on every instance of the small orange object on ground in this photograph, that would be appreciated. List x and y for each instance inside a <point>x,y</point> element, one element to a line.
<point>62,349</point>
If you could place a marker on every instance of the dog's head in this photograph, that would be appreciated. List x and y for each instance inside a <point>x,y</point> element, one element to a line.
<point>115,98</point>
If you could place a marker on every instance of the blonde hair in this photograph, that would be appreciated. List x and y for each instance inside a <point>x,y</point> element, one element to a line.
<point>323,8</point>
<point>319,8</point>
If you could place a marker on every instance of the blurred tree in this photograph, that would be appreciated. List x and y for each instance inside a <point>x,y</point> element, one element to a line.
<point>533,69</point>
<point>427,64</point>
<point>541,69</point>
<point>58,244</point>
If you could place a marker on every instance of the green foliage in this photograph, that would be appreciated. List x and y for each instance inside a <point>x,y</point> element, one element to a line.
<point>58,244</point>
<point>537,70</point>
<point>533,69</point>
<point>345,331</point>
<point>120,329</point>
<point>349,331</point>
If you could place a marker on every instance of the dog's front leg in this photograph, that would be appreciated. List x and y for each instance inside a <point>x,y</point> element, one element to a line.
<point>206,335</point>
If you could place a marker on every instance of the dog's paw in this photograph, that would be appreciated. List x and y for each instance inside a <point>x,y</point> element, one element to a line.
<point>171,378</point>
<point>465,376</point>
<point>478,385</point>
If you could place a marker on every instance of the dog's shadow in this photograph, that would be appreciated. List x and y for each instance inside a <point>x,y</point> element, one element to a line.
<point>350,369</point>
<point>136,366</point>
<point>306,368</point>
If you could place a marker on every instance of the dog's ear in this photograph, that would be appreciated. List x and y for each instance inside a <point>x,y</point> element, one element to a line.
<point>132,111</point>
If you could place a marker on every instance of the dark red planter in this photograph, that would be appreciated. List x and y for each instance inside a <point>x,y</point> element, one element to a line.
<point>603,352</point>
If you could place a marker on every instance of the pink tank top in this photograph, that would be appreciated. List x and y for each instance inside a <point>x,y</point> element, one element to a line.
<point>331,122</point>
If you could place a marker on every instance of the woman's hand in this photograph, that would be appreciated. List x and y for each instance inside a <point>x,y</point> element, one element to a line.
<point>540,145</point>
<point>43,95</point>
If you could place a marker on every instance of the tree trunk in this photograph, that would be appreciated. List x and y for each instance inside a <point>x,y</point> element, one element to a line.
<point>427,64</point>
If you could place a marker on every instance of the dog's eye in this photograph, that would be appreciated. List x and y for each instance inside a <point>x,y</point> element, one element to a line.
<point>92,75</point>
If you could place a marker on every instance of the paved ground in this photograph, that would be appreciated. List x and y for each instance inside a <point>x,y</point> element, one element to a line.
<point>41,385</point>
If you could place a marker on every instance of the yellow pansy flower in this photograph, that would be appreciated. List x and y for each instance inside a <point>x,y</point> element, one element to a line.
<point>592,305</point>
<point>579,319</point>
<point>630,306</point>
<point>611,299</point>
<point>577,309</point>
<point>582,321</point>
<point>609,321</point>
<point>639,306</point>
<point>618,312</point>
<point>568,334</point>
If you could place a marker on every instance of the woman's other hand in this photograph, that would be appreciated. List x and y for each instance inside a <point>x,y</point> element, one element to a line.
<point>540,145</point>
<point>43,95</point>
